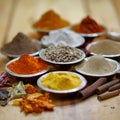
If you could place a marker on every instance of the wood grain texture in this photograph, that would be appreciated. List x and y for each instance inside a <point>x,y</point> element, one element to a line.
<point>19,15</point>
<point>5,19</point>
<point>104,12</point>
<point>27,12</point>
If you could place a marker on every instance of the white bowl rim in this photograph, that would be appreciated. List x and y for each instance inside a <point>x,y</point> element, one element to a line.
<point>23,75</point>
<point>99,75</point>
<point>94,34</point>
<point>15,56</point>
<point>92,53</point>
<point>81,86</point>
<point>61,63</point>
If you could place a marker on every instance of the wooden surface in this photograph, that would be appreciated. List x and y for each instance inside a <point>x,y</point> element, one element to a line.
<point>18,16</point>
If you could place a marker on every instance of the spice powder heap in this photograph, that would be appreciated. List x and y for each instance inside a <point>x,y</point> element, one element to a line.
<point>62,37</point>
<point>27,64</point>
<point>21,44</point>
<point>88,25</point>
<point>97,65</point>
<point>50,21</point>
<point>105,47</point>
<point>61,81</point>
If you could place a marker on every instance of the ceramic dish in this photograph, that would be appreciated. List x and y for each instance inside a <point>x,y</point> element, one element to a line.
<point>81,86</point>
<point>11,56</point>
<point>80,41</point>
<point>41,54</point>
<point>92,35</point>
<point>113,36</point>
<point>23,75</point>
<point>99,75</point>
<point>92,53</point>
<point>47,31</point>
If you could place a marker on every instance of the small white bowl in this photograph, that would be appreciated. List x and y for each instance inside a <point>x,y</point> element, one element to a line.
<point>93,53</point>
<point>24,77</point>
<point>93,35</point>
<point>41,54</point>
<point>47,31</point>
<point>99,75</point>
<point>11,56</point>
<point>81,86</point>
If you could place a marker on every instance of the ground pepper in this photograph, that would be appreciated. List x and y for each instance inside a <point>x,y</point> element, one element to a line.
<point>27,64</point>
<point>50,21</point>
<point>88,25</point>
<point>21,44</point>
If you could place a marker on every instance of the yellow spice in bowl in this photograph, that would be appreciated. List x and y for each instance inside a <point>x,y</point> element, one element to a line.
<point>61,81</point>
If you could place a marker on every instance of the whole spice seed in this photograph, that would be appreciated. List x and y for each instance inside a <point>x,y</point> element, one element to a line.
<point>62,53</point>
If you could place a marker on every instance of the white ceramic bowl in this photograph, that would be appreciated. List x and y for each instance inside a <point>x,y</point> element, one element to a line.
<point>93,53</point>
<point>41,54</point>
<point>81,86</point>
<point>23,75</point>
<point>93,35</point>
<point>11,56</point>
<point>99,75</point>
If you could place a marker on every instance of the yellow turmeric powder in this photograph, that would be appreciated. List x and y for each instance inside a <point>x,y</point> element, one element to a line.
<point>50,21</point>
<point>61,81</point>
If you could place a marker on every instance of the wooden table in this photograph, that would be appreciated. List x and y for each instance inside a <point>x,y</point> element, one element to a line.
<point>18,16</point>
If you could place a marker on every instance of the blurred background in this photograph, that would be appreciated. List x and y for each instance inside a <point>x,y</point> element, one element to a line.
<point>19,15</point>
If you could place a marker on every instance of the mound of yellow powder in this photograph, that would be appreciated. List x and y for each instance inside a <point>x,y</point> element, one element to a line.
<point>61,81</point>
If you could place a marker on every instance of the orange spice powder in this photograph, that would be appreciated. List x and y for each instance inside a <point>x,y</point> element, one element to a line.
<point>27,64</point>
<point>50,21</point>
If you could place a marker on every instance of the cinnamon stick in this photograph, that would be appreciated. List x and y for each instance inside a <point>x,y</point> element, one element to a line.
<point>114,87</point>
<point>92,88</point>
<point>107,95</point>
<point>105,87</point>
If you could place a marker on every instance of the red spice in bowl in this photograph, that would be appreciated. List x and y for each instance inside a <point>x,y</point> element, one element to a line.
<point>88,27</point>
<point>26,65</point>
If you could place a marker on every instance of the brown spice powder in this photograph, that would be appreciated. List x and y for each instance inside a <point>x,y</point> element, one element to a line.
<point>105,47</point>
<point>97,65</point>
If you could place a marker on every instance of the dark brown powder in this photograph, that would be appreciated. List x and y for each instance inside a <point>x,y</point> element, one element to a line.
<point>21,44</point>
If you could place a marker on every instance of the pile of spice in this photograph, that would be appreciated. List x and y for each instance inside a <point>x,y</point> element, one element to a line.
<point>33,101</point>
<point>62,53</point>
<point>105,47</point>
<point>21,44</point>
<point>27,64</point>
<point>63,37</point>
<point>88,25</point>
<point>50,21</point>
<point>97,65</point>
<point>61,81</point>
